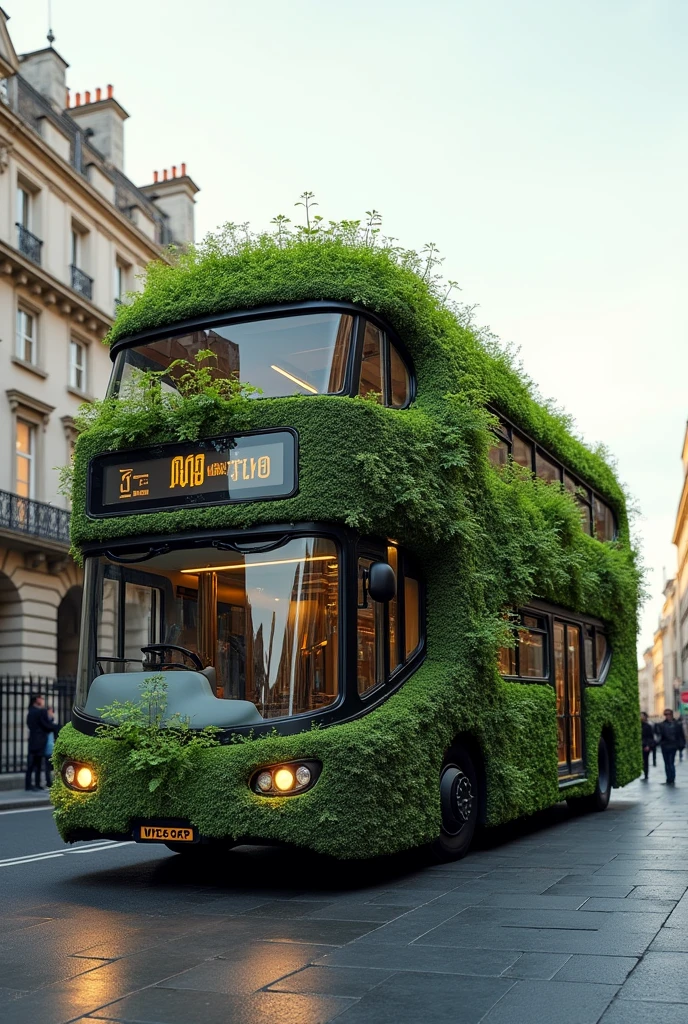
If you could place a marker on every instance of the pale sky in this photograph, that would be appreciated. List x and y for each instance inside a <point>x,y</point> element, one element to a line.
<point>541,144</point>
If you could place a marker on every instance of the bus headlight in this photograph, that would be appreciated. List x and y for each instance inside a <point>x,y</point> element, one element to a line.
<point>286,779</point>
<point>78,776</point>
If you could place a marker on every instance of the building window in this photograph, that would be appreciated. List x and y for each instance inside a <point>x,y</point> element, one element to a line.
<point>25,460</point>
<point>77,365</point>
<point>76,248</point>
<point>23,208</point>
<point>25,347</point>
<point>527,658</point>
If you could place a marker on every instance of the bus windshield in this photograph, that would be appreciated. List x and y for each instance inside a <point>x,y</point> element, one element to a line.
<point>263,624</point>
<point>288,355</point>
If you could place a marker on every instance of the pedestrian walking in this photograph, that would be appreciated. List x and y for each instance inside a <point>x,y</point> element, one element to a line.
<point>668,732</point>
<point>48,752</point>
<point>647,737</point>
<point>40,726</point>
<point>681,737</point>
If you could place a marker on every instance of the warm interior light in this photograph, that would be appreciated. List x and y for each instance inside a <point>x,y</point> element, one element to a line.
<point>251,565</point>
<point>297,380</point>
<point>284,779</point>
<point>84,778</point>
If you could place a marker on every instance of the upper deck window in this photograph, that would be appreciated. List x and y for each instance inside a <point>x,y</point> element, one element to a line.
<point>316,353</point>
<point>288,355</point>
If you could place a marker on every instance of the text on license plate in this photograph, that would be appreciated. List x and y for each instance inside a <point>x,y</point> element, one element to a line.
<point>166,833</point>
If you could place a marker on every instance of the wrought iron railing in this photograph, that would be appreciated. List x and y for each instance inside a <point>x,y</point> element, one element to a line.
<point>81,283</point>
<point>15,694</point>
<point>29,244</point>
<point>33,517</point>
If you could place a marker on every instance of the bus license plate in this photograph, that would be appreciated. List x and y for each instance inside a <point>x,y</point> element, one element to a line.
<point>166,834</point>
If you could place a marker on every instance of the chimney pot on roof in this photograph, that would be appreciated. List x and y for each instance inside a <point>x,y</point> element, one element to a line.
<point>78,99</point>
<point>109,92</point>
<point>155,177</point>
<point>87,97</point>
<point>99,93</point>
<point>183,170</point>
<point>164,175</point>
<point>174,170</point>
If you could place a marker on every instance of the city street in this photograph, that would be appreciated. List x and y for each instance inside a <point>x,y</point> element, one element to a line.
<point>565,920</point>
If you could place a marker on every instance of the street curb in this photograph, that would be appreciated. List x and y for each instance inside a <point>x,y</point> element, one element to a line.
<point>21,803</point>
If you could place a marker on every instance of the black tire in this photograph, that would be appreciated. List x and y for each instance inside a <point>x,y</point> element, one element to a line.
<point>204,850</point>
<point>599,800</point>
<point>459,805</point>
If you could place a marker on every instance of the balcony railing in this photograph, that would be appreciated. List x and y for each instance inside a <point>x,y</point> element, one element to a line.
<point>81,283</point>
<point>35,518</point>
<point>29,244</point>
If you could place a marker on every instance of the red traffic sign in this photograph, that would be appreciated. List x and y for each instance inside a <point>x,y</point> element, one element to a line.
<point>684,696</point>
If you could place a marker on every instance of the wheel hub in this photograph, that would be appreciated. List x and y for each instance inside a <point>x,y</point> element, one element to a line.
<point>457,799</point>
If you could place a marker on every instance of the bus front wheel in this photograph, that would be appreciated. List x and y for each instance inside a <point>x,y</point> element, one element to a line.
<point>459,805</point>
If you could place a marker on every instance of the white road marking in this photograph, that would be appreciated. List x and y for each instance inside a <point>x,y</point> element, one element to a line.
<point>94,847</point>
<point>27,810</point>
<point>29,860</point>
<point>111,846</point>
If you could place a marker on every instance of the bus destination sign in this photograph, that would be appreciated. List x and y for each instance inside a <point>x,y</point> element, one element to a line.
<point>213,471</point>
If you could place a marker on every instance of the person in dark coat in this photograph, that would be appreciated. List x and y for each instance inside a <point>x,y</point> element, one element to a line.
<point>668,732</point>
<point>647,737</point>
<point>681,737</point>
<point>40,725</point>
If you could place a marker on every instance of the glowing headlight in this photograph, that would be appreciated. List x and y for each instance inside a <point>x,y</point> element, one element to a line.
<point>286,779</point>
<point>84,778</point>
<point>80,777</point>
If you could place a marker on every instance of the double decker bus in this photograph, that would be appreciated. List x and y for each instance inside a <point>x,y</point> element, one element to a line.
<point>396,585</point>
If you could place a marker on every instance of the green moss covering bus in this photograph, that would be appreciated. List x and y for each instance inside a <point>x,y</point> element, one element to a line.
<point>398,586</point>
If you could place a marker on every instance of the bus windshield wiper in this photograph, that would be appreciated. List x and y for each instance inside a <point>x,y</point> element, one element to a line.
<point>153,550</point>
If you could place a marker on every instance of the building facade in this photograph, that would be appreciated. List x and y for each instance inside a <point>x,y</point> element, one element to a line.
<point>75,234</point>
<point>664,675</point>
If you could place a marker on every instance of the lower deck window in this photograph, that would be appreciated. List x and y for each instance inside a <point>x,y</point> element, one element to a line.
<point>527,659</point>
<point>387,637</point>
<point>264,624</point>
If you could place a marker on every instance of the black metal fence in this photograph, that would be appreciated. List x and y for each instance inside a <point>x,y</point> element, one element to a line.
<point>15,693</point>
<point>35,517</point>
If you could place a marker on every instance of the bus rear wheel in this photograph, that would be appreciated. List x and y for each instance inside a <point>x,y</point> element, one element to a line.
<point>599,800</point>
<point>459,805</point>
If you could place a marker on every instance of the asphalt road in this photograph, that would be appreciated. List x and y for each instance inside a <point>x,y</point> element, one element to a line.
<point>561,920</point>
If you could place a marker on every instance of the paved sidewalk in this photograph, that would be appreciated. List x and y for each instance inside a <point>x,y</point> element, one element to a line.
<point>14,799</point>
<point>562,920</point>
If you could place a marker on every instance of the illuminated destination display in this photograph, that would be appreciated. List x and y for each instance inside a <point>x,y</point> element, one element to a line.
<point>213,471</point>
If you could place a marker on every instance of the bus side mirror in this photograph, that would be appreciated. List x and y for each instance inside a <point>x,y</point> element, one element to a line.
<point>382,583</point>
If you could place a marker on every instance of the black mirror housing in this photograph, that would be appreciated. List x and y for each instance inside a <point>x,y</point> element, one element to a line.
<point>382,583</point>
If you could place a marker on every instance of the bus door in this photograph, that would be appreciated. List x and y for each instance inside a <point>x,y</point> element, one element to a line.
<point>567,679</point>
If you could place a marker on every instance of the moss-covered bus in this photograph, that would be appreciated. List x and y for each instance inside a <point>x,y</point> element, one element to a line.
<point>398,586</point>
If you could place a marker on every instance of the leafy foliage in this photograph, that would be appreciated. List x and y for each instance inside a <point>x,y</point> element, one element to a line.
<point>164,749</point>
<point>486,539</point>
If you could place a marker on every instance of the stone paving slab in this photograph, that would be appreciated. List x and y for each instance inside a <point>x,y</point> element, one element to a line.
<point>559,920</point>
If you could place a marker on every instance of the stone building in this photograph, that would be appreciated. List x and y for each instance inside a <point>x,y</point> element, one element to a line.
<point>664,676</point>
<point>74,234</point>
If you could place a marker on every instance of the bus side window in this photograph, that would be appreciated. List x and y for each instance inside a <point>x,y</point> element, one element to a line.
<point>411,615</point>
<point>370,653</point>
<point>371,363</point>
<point>399,380</point>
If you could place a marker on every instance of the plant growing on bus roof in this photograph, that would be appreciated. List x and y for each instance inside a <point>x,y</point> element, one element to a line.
<point>166,755</point>
<point>182,398</point>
